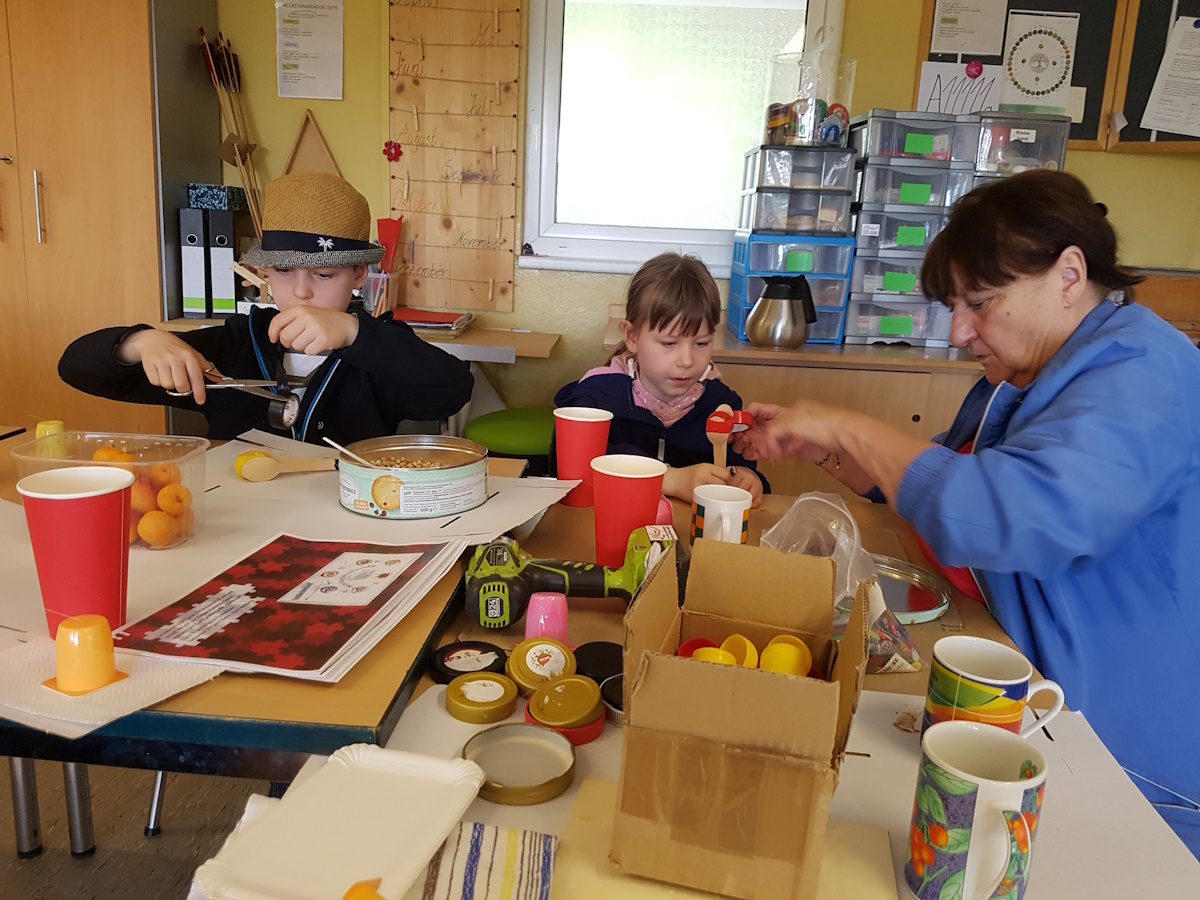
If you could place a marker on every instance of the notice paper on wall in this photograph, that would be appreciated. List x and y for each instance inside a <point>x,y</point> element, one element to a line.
<point>1039,54</point>
<point>958,88</point>
<point>968,26</point>
<point>308,48</point>
<point>1174,103</point>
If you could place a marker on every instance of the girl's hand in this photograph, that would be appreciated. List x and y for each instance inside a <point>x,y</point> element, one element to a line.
<point>168,361</point>
<point>313,329</point>
<point>681,482</point>
<point>747,480</point>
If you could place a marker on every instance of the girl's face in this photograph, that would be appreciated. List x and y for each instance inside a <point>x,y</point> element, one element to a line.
<point>328,288</point>
<point>668,362</point>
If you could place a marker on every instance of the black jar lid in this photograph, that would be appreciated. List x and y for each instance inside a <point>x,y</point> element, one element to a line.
<point>612,694</point>
<point>599,660</point>
<point>465,656</point>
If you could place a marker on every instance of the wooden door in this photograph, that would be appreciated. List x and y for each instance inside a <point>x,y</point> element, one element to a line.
<point>12,230</point>
<point>83,107</point>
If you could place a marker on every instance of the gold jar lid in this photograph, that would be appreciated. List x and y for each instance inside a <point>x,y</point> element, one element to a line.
<point>481,697</point>
<point>522,764</point>
<point>567,702</point>
<point>535,661</point>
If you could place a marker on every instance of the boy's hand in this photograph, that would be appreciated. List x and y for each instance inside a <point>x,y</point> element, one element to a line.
<point>747,480</point>
<point>168,361</point>
<point>681,482</point>
<point>313,329</point>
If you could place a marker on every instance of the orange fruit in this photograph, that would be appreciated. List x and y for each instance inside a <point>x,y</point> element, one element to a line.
<point>142,496</point>
<point>105,454</point>
<point>133,526</point>
<point>157,528</point>
<point>186,521</point>
<point>163,474</point>
<point>364,890</point>
<point>122,456</point>
<point>174,499</point>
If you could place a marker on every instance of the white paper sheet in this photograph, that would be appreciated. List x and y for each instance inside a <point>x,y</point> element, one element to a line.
<point>968,26</point>
<point>948,88</point>
<point>1039,51</point>
<point>308,48</point>
<point>1174,104</point>
<point>24,699</point>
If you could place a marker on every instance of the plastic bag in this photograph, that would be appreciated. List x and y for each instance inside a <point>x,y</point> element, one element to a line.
<point>821,525</point>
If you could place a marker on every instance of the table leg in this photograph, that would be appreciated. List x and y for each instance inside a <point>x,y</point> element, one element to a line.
<point>26,822</point>
<point>154,823</point>
<point>79,809</point>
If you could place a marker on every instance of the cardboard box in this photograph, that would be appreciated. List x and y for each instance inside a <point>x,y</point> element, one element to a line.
<point>727,772</point>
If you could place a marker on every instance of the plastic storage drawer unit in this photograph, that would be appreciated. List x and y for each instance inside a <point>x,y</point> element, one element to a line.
<point>871,319</point>
<point>796,167</point>
<point>911,184</point>
<point>910,135</point>
<point>886,273</point>
<point>795,211</point>
<point>1011,143</point>
<point>772,254</point>
<point>826,330</point>
<point>897,228</point>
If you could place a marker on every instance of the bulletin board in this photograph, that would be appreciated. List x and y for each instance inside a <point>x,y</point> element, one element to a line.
<point>1097,54</point>
<point>453,118</point>
<point>1148,26</point>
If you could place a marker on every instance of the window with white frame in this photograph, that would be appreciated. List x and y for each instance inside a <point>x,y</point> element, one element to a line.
<point>639,116</point>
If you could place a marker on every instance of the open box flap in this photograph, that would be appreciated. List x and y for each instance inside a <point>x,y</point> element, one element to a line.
<point>653,614</point>
<point>850,666</point>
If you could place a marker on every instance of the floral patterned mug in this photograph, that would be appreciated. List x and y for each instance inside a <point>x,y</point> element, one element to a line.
<point>975,814</point>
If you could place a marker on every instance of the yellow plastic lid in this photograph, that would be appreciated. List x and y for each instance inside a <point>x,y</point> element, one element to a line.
<point>481,697</point>
<point>567,702</point>
<point>48,427</point>
<point>535,661</point>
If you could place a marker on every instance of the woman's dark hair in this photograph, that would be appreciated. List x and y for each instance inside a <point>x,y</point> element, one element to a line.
<point>1019,226</point>
<point>670,288</point>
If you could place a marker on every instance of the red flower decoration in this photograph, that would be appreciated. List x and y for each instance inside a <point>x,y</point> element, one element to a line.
<point>391,149</point>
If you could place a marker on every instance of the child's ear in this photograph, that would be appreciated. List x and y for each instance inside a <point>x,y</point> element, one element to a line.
<point>629,336</point>
<point>360,276</point>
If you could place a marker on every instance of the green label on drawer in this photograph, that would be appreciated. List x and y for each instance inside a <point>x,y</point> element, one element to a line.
<point>895,324</point>
<point>904,282</point>
<point>915,193</point>
<point>910,236</point>
<point>915,142</point>
<point>798,261</point>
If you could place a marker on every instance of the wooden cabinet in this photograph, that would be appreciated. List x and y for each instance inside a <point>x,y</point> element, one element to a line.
<point>83,247</point>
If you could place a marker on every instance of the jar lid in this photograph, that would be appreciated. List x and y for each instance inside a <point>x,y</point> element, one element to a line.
<point>481,697</point>
<point>566,702</point>
<point>612,692</point>
<point>465,656</point>
<point>535,661</point>
<point>522,764</point>
<point>582,734</point>
<point>599,659</point>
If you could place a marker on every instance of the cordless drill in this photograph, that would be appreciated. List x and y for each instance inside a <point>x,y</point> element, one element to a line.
<point>501,576</point>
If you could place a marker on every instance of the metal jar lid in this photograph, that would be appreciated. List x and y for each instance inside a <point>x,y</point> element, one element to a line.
<point>535,661</point>
<point>599,660</point>
<point>522,764</point>
<point>481,697</point>
<point>466,656</point>
<point>612,693</point>
<point>566,702</point>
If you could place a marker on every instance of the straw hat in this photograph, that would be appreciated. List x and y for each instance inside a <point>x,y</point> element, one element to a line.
<point>313,220</point>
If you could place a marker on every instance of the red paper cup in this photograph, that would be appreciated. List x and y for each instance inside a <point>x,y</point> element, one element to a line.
<point>627,489</point>
<point>580,435</point>
<point>78,520</point>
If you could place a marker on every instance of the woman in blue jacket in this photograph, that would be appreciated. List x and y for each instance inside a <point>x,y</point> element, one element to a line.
<point>1077,507</point>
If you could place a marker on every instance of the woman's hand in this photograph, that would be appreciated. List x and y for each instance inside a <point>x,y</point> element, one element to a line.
<point>168,361</point>
<point>313,329</point>
<point>747,480</point>
<point>806,430</point>
<point>681,482</point>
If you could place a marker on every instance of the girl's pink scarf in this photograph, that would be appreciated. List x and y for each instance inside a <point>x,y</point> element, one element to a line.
<point>667,412</point>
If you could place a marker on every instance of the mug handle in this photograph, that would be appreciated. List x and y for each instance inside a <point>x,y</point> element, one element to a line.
<point>1028,852</point>
<point>1059,698</point>
<point>727,533</point>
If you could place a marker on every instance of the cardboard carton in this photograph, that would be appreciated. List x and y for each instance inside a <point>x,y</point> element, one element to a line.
<point>727,772</point>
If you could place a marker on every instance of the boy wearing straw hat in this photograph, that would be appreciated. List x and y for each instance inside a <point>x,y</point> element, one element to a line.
<point>364,374</point>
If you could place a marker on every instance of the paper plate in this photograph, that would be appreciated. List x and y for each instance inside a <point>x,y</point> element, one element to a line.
<point>366,813</point>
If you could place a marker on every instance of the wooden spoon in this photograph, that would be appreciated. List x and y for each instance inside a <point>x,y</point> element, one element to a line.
<point>266,467</point>
<point>720,440</point>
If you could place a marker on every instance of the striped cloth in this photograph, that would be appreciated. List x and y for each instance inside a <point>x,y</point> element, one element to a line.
<point>483,862</point>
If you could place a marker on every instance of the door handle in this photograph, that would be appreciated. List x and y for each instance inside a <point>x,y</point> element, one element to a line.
<point>37,205</point>
<point>8,160</point>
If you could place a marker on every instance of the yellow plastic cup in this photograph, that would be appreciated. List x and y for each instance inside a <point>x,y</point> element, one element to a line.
<point>791,640</point>
<point>782,658</point>
<point>742,649</point>
<point>715,654</point>
<point>83,655</point>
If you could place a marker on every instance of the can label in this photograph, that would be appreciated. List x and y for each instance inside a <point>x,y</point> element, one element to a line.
<point>546,660</point>
<point>483,690</point>
<point>469,659</point>
<point>412,493</point>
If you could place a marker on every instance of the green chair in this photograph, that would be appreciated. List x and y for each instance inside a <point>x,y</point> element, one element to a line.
<point>520,433</point>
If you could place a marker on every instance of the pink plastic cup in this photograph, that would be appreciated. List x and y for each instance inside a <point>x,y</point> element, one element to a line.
<point>78,520</point>
<point>547,616</point>
<point>580,435</point>
<point>627,489</point>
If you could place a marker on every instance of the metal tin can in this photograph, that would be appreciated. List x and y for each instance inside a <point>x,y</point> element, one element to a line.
<point>448,475</point>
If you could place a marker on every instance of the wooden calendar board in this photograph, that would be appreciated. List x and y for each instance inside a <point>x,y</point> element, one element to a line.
<point>454,112</point>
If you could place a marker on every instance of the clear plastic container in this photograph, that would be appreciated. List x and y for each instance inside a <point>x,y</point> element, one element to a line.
<point>795,211</point>
<point>891,228</point>
<point>169,474</point>
<point>871,319</point>
<point>1011,142</point>
<point>886,274</point>
<point>913,185</point>
<point>910,135</point>
<point>804,257</point>
<point>793,167</point>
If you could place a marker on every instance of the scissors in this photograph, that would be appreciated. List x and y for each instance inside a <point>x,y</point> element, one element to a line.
<point>284,408</point>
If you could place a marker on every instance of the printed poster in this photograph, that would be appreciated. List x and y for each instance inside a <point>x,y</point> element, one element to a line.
<point>1039,55</point>
<point>308,48</point>
<point>1174,104</point>
<point>973,27</point>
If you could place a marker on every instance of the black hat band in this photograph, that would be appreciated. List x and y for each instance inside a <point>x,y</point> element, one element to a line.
<point>303,242</point>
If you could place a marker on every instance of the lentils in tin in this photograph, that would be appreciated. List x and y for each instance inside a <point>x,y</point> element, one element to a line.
<point>403,462</point>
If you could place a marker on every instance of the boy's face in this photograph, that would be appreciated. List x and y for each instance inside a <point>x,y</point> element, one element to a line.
<point>328,288</point>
